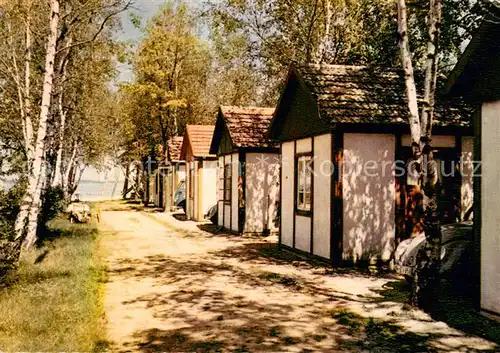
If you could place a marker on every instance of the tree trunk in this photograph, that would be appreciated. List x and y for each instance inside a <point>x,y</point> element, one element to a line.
<point>68,168</point>
<point>429,257</point>
<point>125,189</point>
<point>411,90</point>
<point>37,171</point>
<point>426,274</point>
<point>57,180</point>
<point>28,125</point>
<point>137,182</point>
<point>320,55</point>
<point>58,175</point>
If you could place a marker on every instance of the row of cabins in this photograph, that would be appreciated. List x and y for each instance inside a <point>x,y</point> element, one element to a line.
<point>326,168</point>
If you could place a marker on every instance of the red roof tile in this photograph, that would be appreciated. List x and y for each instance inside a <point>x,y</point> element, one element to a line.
<point>199,138</point>
<point>248,126</point>
<point>174,148</point>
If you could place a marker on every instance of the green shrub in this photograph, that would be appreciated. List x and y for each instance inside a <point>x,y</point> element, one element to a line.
<point>53,204</point>
<point>9,208</point>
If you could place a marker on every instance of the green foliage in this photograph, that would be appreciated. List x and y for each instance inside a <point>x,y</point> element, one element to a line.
<point>172,69</point>
<point>9,208</point>
<point>53,204</point>
<point>269,35</point>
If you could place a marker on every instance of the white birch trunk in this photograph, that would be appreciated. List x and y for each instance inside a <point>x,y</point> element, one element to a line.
<point>27,88</point>
<point>69,167</point>
<point>431,67</point>
<point>37,170</point>
<point>406,60</point>
<point>320,55</point>
<point>57,180</point>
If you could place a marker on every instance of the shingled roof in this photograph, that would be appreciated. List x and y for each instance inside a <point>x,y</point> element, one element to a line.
<point>174,148</point>
<point>199,138</point>
<point>369,95</point>
<point>247,127</point>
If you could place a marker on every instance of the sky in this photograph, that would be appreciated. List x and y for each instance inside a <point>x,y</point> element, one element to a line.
<point>145,9</point>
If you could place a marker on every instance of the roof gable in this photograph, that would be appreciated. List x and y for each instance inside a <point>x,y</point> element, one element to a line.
<point>476,76</point>
<point>197,139</point>
<point>344,94</point>
<point>247,127</point>
<point>174,148</point>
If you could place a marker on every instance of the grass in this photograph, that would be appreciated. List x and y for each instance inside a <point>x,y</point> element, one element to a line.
<point>55,302</point>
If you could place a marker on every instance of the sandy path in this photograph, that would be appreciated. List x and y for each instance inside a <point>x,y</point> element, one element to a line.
<point>171,291</point>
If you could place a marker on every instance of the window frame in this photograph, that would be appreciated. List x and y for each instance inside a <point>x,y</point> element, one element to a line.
<point>192,177</point>
<point>227,184</point>
<point>303,211</point>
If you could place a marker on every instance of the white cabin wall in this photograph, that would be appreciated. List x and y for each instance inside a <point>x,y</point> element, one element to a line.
<point>226,207</point>
<point>368,196</point>
<point>490,206</point>
<point>189,197</point>
<point>235,172</point>
<point>287,192</point>
<point>220,191</point>
<point>303,233</point>
<point>262,175</point>
<point>304,145</point>
<point>322,195</point>
<point>467,190</point>
<point>303,223</point>
<point>180,175</point>
<point>208,187</point>
<point>196,191</point>
<point>274,191</point>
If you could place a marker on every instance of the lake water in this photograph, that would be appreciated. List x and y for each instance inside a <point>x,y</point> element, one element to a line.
<point>97,191</point>
<point>91,190</point>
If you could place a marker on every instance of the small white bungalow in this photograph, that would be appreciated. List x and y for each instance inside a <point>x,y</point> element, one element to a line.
<point>169,175</point>
<point>344,143</point>
<point>201,170</point>
<point>476,78</point>
<point>248,171</point>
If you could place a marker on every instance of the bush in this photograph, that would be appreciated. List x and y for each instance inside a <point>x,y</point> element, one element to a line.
<point>9,208</point>
<point>53,203</point>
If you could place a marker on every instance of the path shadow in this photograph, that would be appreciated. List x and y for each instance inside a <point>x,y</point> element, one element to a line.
<point>456,308</point>
<point>210,304</point>
<point>254,312</point>
<point>180,216</point>
<point>451,305</point>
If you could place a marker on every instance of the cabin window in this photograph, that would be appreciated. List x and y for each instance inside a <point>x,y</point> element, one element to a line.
<point>227,183</point>
<point>304,178</point>
<point>191,182</point>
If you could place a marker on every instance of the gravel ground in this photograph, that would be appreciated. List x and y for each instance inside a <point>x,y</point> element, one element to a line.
<point>175,286</point>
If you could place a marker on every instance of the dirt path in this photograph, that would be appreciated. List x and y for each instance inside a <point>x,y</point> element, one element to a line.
<point>188,290</point>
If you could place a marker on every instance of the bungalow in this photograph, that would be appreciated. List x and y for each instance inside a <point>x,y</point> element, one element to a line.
<point>248,171</point>
<point>345,145</point>
<point>476,78</point>
<point>169,175</point>
<point>201,170</point>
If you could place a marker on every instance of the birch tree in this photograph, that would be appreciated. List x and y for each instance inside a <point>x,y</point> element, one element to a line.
<point>41,42</point>
<point>421,136</point>
<point>30,204</point>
